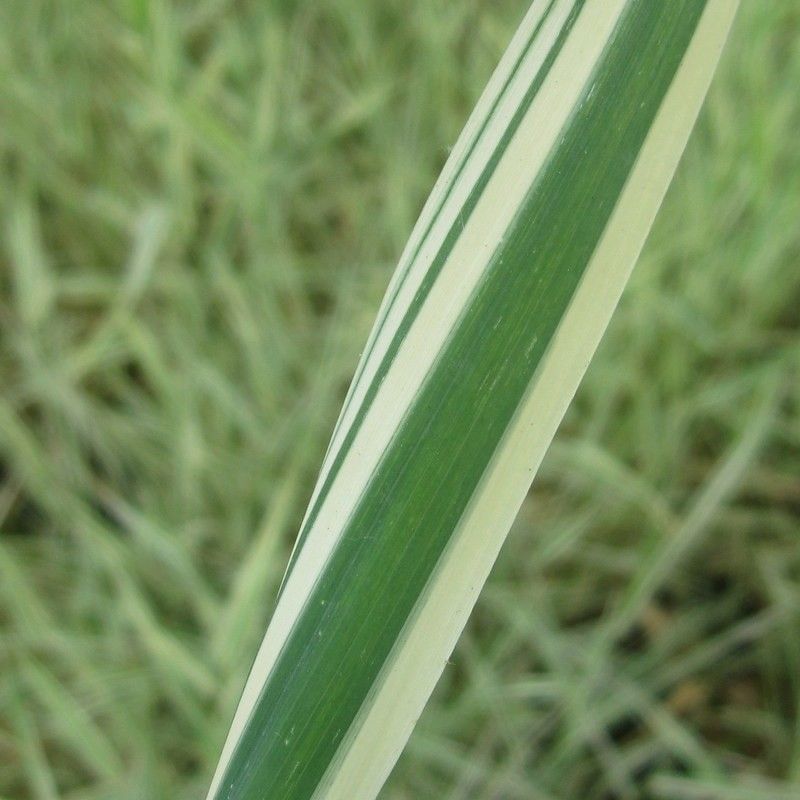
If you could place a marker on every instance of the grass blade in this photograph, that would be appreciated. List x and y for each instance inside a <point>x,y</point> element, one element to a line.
<point>490,321</point>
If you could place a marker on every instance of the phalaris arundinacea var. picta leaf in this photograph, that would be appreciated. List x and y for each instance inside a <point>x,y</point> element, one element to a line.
<point>500,298</point>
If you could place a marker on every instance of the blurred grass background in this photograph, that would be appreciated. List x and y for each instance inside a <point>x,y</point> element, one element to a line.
<point>200,206</point>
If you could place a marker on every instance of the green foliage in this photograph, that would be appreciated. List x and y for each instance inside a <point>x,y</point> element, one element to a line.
<point>201,204</point>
